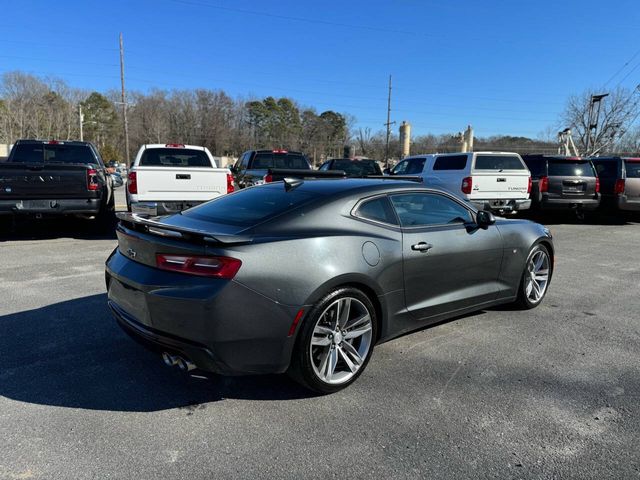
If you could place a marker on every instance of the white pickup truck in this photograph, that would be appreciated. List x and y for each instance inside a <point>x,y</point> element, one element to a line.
<point>496,181</point>
<point>169,178</point>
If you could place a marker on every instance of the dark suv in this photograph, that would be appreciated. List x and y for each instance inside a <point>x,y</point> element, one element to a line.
<point>619,181</point>
<point>559,182</point>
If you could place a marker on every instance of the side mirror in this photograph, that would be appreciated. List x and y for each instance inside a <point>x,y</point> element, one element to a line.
<point>386,171</point>
<point>233,169</point>
<point>485,218</point>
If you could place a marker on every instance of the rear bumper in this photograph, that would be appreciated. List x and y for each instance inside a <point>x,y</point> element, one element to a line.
<point>163,208</point>
<point>220,325</point>
<point>590,203</point>
<point>502,205</point>
<point>51,206</point>
<point>624,203</point>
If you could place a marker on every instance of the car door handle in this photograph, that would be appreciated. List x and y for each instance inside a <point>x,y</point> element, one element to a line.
<point>421,247</point>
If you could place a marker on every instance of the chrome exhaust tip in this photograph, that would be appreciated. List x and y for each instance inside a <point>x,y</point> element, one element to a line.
<point>168,359</point>
<point>176,360</point>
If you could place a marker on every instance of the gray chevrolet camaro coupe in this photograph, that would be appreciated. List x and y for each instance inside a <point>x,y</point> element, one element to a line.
<point>305,277</point>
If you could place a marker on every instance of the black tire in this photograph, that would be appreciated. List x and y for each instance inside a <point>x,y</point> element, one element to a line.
<point>524,300</point>
<point>302,367</point>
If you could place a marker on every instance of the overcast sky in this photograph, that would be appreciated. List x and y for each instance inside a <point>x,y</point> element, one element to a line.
<point>504,66</point>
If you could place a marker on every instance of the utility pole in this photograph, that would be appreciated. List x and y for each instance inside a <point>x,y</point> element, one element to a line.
<point>81,118</point>
<point>594,116</point>
<point>388,124</point>
<point>124,104</point>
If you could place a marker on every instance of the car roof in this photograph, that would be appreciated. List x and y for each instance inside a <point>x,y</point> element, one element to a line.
<point>172,145</point>
<point>28,141</point>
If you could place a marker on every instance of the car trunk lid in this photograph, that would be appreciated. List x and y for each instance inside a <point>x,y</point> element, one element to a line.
<point>499,176</point>
<point>571,178</point>
<point>632,181</point>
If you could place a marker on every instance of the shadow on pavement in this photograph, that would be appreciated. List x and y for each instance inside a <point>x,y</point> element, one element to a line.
<point>73,354</point>
<point>29,228</point>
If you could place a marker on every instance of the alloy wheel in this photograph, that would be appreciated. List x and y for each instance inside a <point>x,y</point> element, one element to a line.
<point>537,276</point>
<point>341,340</point>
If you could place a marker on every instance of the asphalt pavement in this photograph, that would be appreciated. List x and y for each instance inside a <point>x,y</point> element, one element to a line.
<point>548,393</point>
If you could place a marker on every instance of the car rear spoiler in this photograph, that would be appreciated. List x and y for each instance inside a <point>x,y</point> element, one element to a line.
<point>156,227</point>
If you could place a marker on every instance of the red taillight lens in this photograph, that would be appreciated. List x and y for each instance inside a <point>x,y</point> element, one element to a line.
<point>597,184</point>
<point>132,184</point>
<point>544,184</point>
<point>230,187</point>
<point>174,145</point>
<point>529,185</point>
<point>92,179</point>
<point>217,267</point>
<point>467,185</point>
<point>619,188</point>
<point>268,178</point>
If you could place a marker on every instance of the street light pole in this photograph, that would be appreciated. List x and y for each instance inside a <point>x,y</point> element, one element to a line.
<point>124,104</point>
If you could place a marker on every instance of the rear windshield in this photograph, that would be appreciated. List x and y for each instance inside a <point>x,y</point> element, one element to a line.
<point>357,167</point>
<point>279,160</point>
<point>251,206</point>
<point>174,157</point>
<point>632,168</point>
<point>499,162</point>
<point>570,168</point>
<point>47,153</point>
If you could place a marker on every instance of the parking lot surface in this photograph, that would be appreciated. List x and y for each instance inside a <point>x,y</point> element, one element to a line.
<point>548,393</point>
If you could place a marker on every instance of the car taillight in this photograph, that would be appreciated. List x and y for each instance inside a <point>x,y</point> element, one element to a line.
<point>529,185</point>
<point>217,267</point>
<point>174,145</point>
<point>544,184</point>
<point>92,179</point>
<point>597,184</point>
<point>268,178</point>
<point>280,151</point>
<point>230,187</point>
<point>132,184</point>
<point>619,187</point>
<point>467,184</point>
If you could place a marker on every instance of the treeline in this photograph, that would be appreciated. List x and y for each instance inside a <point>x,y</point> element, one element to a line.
<point>47,108</point>
<point>34,107</point>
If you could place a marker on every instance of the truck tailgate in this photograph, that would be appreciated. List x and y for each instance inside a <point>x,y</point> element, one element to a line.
<point>38,181</point>
<point>497,185</point>
<point>168,183</point>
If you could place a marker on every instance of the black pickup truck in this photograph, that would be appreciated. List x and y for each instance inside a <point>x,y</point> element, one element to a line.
<point>52,178</point>
<point>255,167</point>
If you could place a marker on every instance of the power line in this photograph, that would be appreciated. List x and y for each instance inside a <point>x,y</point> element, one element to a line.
<point>623,67</point>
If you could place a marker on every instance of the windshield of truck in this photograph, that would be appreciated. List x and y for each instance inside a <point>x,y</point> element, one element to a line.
<point>633,168</point>
<point>499,162</point>
<point>570,168</point>
<point>174,157</point>
<point>266,160</point>
<point>52,153</point>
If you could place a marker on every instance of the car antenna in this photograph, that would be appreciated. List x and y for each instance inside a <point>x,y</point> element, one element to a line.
<point>291,183</point>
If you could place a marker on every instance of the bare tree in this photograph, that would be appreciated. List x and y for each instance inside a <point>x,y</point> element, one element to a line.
<point>619,109</point>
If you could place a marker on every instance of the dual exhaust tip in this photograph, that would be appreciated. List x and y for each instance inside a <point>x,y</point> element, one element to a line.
<point>176,360</point>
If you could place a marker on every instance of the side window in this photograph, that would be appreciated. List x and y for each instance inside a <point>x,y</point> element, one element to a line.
<point>377,209</point>
<point>416,165</point>
<point>450,162</point>
<point>401,168</point>
<point>244,161</point>
<point>325,166</point>
<point>536,165</point>
<point>424,209</point>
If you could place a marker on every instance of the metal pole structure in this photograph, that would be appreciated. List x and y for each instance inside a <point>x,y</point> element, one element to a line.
<point>124,104</point>
<point>388,124</point>
<point>81,118</point>
<point>593,120</point>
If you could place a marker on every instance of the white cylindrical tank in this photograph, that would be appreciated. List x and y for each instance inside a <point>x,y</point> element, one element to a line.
<point>405,139</point>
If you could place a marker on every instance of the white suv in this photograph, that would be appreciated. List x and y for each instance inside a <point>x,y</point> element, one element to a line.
<point>497,181</point>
